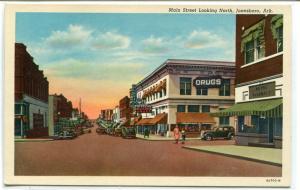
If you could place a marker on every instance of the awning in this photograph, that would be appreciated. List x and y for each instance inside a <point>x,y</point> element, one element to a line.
<point>145,121</point>
<point>161,118</point>
<point>268,108</point>
<point>135,120</point>
<point>194,118</point>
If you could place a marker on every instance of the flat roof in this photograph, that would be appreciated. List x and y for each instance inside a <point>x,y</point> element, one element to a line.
<point>187,62</point>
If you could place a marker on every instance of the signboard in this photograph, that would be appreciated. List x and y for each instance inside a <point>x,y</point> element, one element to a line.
<point>143,109</point>
<point>262,90</point>
<point>208,82</point>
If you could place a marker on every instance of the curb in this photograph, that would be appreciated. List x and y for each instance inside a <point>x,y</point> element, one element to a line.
<point>33,140</point>
<point>235,156</point>
<point>149,139</point>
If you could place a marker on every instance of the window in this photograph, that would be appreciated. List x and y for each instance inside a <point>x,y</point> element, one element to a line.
<point>224,120</point>
<point>185,86</point>
<point>205,108</point>
<point>278,126</point>
<point>279,32</point>
<point>254,50</point>
<point>193,108</point>
<point>181,108</point>
<point>18,109</point>
<point>202,91</point>
<point>225,88</point>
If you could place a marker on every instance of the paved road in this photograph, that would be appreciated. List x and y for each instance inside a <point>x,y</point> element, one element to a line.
<point>93,154</point>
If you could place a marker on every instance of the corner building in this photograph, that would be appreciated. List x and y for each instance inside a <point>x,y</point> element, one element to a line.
<point>184,93</point>
<point>259,78</point>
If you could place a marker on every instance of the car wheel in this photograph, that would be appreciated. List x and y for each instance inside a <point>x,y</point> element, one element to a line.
<point>231,137</point>
<point>208,138</point>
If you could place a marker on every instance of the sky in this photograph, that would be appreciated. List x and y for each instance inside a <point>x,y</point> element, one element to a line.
<point>97,57</point>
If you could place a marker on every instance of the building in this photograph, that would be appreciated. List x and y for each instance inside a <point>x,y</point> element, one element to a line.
<point>116,114</point>
<point>259,88</point>
<point>125,110</point>
<point>31,96</point>
<point>59,107</point>
<point>184,92</point>
<point>106,115</point>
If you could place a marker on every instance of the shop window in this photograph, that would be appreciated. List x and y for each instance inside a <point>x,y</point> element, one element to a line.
<point>224,120</point>
<point>193,108</point>
<point>253,43</point>
<point>224,90</point>
<point>205,108</point>
<point>202,91</point>
<point>18,109</point>
<point>278,127</point>
<point>180,108</point>
<point>185,86</point>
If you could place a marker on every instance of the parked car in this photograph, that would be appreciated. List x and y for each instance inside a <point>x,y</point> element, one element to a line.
<point>65,135</point>
<point>128,132</point>
<point>224,132</point>
<point>101,130</point>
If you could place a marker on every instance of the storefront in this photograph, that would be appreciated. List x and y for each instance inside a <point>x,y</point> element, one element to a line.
<point>258,122</point>
<point>194,123</point>
<point>181,88</point>
<point>156,125</point>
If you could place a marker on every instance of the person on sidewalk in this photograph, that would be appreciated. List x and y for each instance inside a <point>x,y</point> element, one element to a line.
<point>176,134</point>
<point>146,132</point>
<point>183,135</point>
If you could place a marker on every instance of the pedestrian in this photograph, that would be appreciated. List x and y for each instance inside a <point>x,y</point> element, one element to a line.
<point>146,132</point>
<point>176,134</point>
<point>183,135</point>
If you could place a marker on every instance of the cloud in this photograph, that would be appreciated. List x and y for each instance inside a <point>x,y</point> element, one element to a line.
<point>155,45</point>
<point>75,35</point>
<point>111,40</point>
<point>199,39</point>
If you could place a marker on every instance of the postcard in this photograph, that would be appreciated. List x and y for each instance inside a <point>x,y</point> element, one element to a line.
<point>147,94</point>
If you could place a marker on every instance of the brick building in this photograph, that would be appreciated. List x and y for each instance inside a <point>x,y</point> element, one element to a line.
<point>259,88</point>
<point>125,109</point>
<point>59,107</point>
<point>31,96</point>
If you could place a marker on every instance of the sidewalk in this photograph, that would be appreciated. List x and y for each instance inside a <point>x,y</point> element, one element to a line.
<point>33,140</point>
<point>258,154</point>
<point>161,138</point>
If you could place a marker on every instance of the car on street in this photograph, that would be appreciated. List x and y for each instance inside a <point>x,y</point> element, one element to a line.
<point>222,132</point>
<point>64,135</point>
<point>128,132</point>
<point>101,130</point>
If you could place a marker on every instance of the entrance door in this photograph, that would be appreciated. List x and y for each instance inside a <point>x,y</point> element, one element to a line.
<point>18,127</point>
<point>271,132</point>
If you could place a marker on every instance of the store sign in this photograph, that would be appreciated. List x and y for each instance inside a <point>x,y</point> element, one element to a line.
<point>143,109</point>
<point>209,82</point>
<point>262,90</point>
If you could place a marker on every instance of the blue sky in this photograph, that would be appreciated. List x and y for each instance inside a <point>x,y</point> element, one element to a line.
<point>119,49</point>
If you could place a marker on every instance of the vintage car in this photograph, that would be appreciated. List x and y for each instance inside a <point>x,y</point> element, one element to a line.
<point>128,132</point>
<point>118,130</point>
<point>223,132</point>
<point>65,135</point>
<point>101,130</point>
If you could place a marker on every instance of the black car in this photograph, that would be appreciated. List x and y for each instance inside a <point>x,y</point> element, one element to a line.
<point>128,132</point>
<point>225,132</point>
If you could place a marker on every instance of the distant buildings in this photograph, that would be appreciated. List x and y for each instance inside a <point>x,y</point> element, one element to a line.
<point>107,115</point>
<point>125,110</point>
<point>59,107</point>
<point>31,96</point>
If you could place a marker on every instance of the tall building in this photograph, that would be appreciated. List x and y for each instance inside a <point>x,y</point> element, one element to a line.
<point>31,96</point>
<point>125,110</point>
<point>184,93</point>
<point>259,88</point>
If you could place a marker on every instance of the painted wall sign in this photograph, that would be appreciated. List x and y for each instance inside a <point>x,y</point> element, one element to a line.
<point>262,90</point>
<point>209,82</point>
<point>143,109</point>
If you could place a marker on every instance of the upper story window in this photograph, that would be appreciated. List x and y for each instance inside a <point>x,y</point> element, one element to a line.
<point>205,108</point>
<point>202,91</point>
<point>277,31</point>
<point>193,108</point>
<point>224,90</point>
<point>253,43</point>
<point>180,108</point>
<point>185,86</point>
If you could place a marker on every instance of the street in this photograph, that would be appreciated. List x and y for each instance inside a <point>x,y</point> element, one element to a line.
<point>102,155</point>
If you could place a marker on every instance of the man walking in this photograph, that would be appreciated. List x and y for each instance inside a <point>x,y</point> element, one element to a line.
<point>176,134</point>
